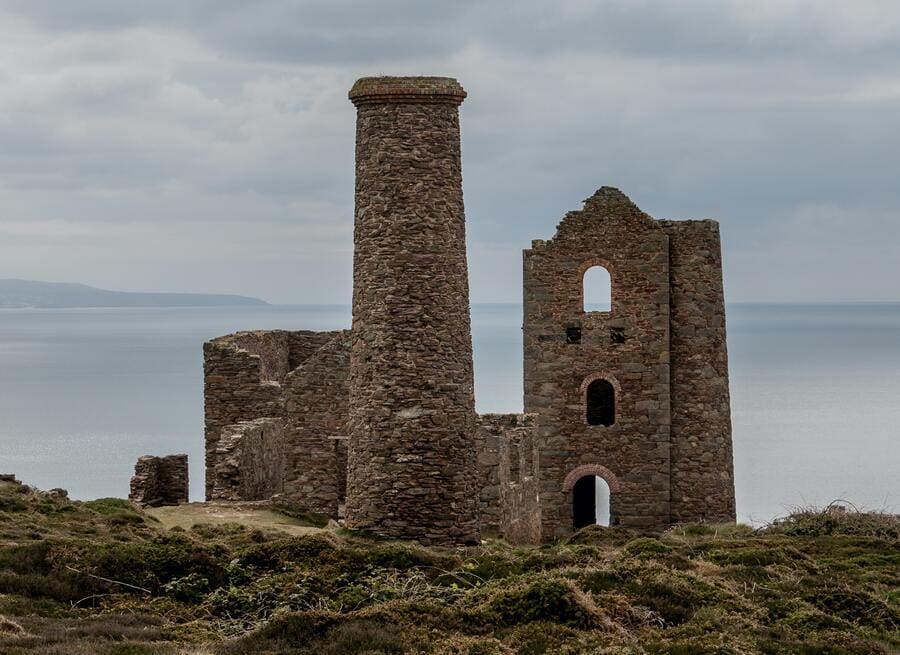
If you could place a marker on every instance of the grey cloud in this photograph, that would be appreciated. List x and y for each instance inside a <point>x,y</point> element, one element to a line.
<point>209,122</point>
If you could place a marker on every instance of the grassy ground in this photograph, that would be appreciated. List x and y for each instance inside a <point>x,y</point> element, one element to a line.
<point>101,578</point>
<point>250,515</point>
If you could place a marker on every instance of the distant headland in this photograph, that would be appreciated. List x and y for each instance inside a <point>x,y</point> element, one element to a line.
<point>21,294</point>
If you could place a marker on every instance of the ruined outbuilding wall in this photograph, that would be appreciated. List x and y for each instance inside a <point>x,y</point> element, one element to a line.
<point>243,375</point>
<point>701,457</point>
<point>250,460</point>
<point>316,410</point>
<point>507,477</point>
<point>412,409</point>
<point>159,481</point>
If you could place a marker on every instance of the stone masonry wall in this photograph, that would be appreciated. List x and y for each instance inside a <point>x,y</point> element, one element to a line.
<point>507,477</point>
<point>159,481</point>
<point>316,409</point>
<point>250,461</point>
<point>243,374</point>
<point>701,457</point>
<point>411,455</point>
<point>667,456</point>
<point>628,346</point>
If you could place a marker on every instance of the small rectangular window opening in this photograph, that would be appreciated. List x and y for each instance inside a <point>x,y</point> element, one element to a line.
<point>573,335</point>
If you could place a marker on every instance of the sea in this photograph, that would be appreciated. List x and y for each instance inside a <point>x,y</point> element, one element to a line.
<point>815,394</point>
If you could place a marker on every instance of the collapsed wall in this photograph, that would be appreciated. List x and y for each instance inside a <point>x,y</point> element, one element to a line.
<point>316,410</point>
<point>246,378</point>
<point>507,477</point>
<point>160,481</point>
<point>250,461</point>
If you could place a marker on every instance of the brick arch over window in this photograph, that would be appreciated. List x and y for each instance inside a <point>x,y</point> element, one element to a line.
<point>583,269</point>
<point>592,469</point>
<point>617,393</point>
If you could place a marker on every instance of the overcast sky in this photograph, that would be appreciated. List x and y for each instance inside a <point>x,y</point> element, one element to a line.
<point>207,145</point>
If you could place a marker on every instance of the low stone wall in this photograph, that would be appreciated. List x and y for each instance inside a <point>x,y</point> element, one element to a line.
<point>250,461</point>
<point>160,481</point>
<point>508,497</point>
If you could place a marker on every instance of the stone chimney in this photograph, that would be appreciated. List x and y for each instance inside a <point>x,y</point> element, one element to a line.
<point>411,459</point>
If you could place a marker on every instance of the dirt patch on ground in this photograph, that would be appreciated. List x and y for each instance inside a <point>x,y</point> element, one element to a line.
<point>252,515</point>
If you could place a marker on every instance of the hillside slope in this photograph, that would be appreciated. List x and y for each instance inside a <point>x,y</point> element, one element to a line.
<point>103,578</point>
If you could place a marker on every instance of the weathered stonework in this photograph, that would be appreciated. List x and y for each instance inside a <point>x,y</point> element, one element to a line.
<point>262,375</point>
<point>159,481</point>
<point>316,410</point>
<point>702,463</point>
<point>380,419</point>
<point>647,449</point>
<point>412,410</point>
<point>250,460</point>
<point>507,477</point>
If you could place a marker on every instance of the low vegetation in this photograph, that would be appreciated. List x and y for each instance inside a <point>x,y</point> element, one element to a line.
<point>103,578</point>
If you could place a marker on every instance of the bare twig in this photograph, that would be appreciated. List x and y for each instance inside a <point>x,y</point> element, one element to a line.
<point>91,597</point>
<point>100,577</point>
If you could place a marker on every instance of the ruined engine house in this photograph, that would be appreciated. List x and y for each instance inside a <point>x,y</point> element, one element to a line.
<point>377,425</point>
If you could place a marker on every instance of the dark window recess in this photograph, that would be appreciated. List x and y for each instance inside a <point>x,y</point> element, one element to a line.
<point>601,403</point>
<point>617,335</point>
<point>573,335</point>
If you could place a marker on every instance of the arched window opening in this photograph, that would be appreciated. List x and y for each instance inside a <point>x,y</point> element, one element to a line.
<point>597,290</point>
<point>590,502</point>
<point>601,403</point>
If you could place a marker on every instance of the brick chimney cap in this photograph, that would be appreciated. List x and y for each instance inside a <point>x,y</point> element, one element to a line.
<point>379,90</point>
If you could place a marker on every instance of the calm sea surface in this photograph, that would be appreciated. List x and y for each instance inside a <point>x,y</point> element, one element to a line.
<point>815,394</point>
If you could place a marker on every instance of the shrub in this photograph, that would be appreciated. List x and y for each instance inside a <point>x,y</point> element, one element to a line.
<point>8,627</point>
<point>154,563</point>
<point>12,504</point>
<point>835,520</point>
<point>362,638</point>
<point>190,588</point>
<point>646,546</point>
<point>305,549</point>
<point>399,556</point>
<point>551,600</point>
<point>674,597</point>
<point>856,607</point>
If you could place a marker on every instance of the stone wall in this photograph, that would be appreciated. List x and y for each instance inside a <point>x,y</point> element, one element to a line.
<point>507,477</point>
<point>411,455</point>
<point>159,481</point>
<point>250,458</point>
<point>667,455</point>
<point>243,376</point>
<point>627,346</point>
<point>701,455</point>
<point>316,409</point>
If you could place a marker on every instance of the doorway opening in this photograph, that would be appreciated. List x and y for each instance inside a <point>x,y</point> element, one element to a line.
<point>590,502</point>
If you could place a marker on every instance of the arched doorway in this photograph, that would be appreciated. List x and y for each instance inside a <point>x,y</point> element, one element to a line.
<point>590,502</point>
<point>592,488</point>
